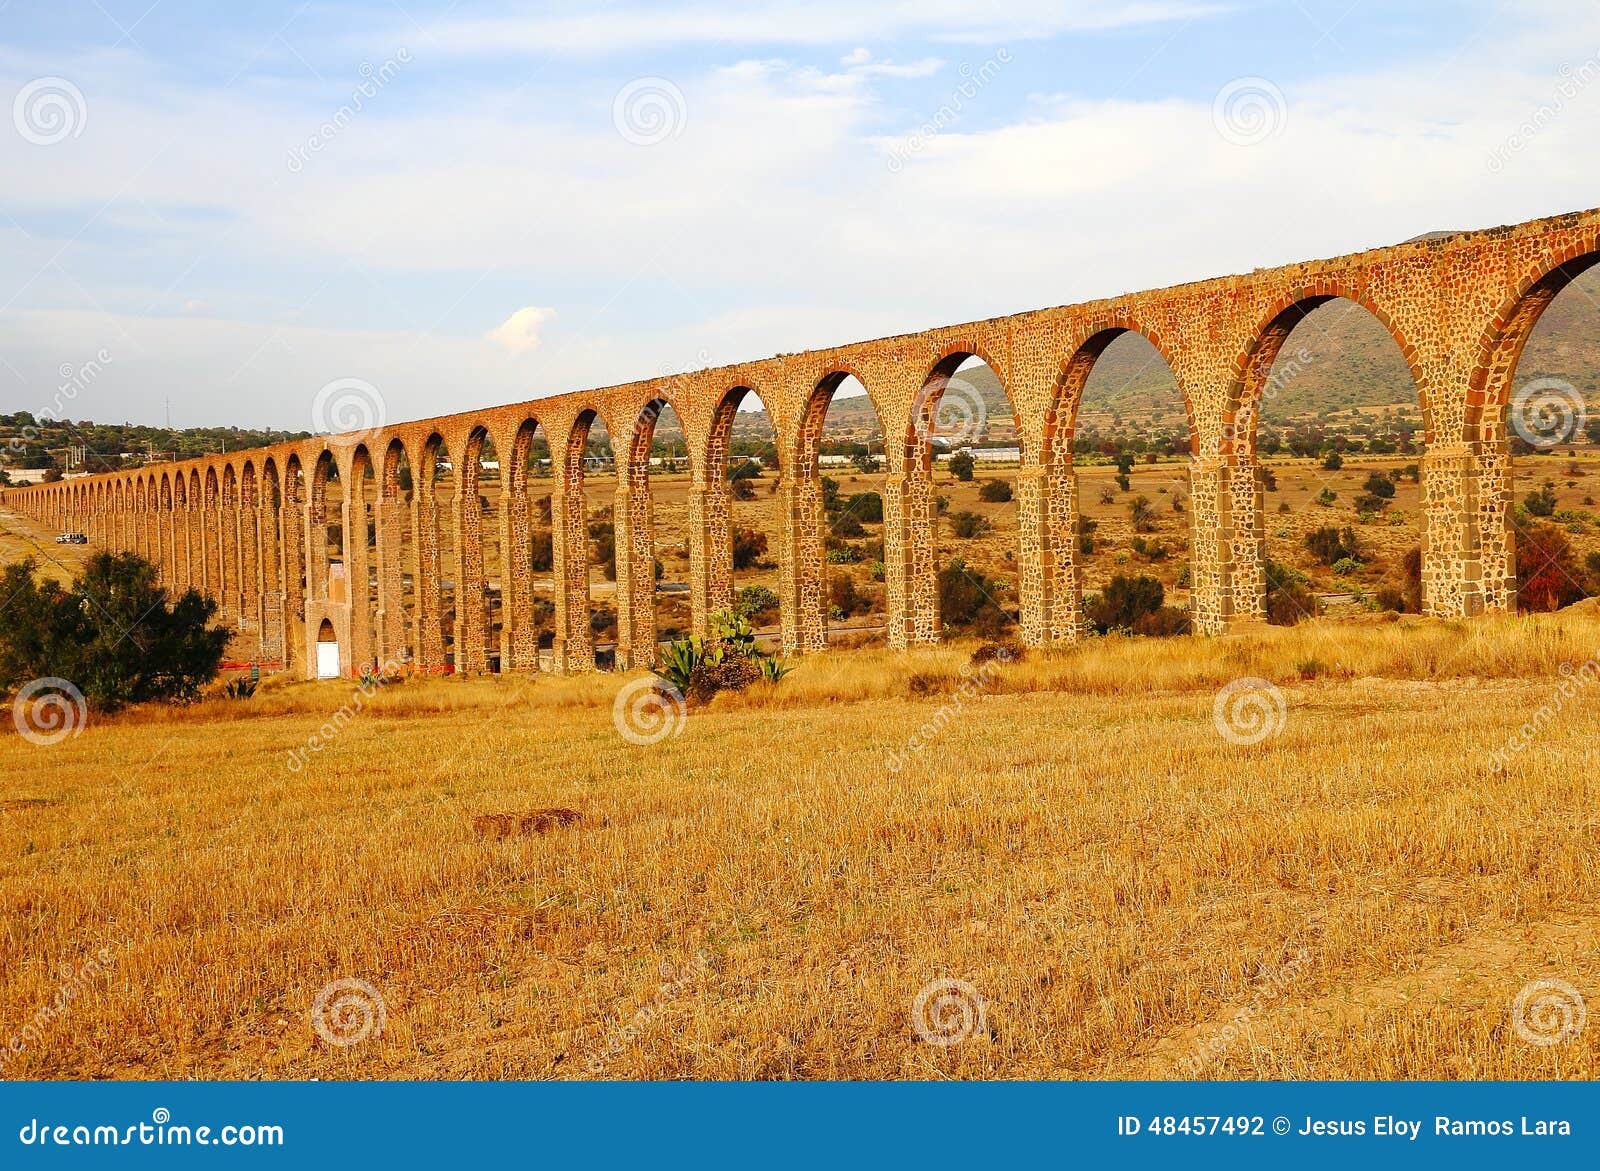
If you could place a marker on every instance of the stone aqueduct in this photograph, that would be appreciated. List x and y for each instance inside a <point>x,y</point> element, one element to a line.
<point>243,527</point>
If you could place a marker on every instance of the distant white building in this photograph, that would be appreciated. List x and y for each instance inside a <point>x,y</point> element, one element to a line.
<point>986,455</point>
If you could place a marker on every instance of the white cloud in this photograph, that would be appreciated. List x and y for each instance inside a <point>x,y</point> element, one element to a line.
<point>519,333</point>
<point>624,29</point>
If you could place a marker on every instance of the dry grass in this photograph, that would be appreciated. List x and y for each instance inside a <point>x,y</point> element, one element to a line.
<point>1076,840</point>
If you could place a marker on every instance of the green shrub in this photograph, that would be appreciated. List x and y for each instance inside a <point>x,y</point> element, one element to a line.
<point>1123,602</point>
<point>757,603</point>
<point>969,525</point>
<point>961,464</point>
<point>1329,544</point>
<point>1289,597</point>
<point>995,492</point>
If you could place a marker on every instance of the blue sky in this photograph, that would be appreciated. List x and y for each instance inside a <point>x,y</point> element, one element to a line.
<point>501,219</point>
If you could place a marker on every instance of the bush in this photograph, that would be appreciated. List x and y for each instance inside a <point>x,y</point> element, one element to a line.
<point>604,535</point>
<point>995,492</point>
<point>748,547</point>
<point>726,659</point>
<point>961,464</point>
<point>1546,571</point>
<point>1289,597</point>
<point>543,557</point>
<point>743,489</point>
<point>967,601</point>
<point>1379,484</point>
<point>866,507</point>
<point>757,603</point>
<point>846,525</point>
<point>843,597</point>
<point>1329,544</point>
<point>1542,502</point>
<point>1332,462</point>
<point>1347,565</point>
<point>1326,497</point>
<point>969,525</point>
<point>1123,602</point>
<point>1142,514</point>
<point>115,634</point>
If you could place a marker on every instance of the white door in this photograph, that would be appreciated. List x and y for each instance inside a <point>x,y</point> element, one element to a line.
<point>327,660</point>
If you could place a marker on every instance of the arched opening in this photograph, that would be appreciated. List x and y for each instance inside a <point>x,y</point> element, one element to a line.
<point>397,562</point>
<point>249,553</point>
<point>1535,427</point>
<point>477,566</point>
<point>435,481</point>
<point>1116,525</point>
<point>361,552</point>
<point>327,665</point>
<point>272,602</point>
<point>328,579</point>
<point>1331,414</point>
<point>529,581</point>
<point>649,530</point>
<point>742,464</point>
<point>229,532</point>
<point>165,560</point>
<point>840,560</point>
<point>294,557</point>
<point>591,546</point>
<point>964,437</point>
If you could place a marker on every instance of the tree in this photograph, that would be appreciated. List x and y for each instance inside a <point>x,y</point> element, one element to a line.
<point>748,547</point>
<point>1332,462</point>
<point>1542,502</point>
<point>967,601</point>
<point>961,465</point>
<point>115,634</point>
<point>1379,484</point>
<point>1329,544</point>
<point>968,525</point>
<point>1143,515</point>
<point>995,492</point>
<point>743,489</point>
<point>1136,604</point>
<point>865,462</point>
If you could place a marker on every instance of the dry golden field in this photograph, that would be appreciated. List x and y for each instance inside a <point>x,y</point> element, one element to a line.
<point>765,895</point>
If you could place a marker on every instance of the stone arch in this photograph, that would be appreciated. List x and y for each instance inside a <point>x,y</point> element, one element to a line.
<point>923,530</point>
<point>804,596</point>
<point>574,641</point>
<point>634,521</point>
<point>1505,336</point>
<point>1255,375</point>
<point>270,528</point>
<point>1550,418</point>
<point>395,619</point>
<point>358,553</point>
<point>528,544</point>
<point>718,504</point>
<point>1250,372</point>
<point>477,593</point>
<point>1053,611</point>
